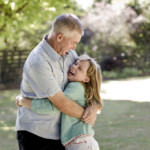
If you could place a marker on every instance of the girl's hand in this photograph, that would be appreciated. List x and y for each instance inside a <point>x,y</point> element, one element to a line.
<point>18,100</point>
<point>21,101</point>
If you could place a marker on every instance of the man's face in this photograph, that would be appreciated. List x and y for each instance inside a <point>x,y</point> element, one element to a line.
<point>78,71</point>
<point>67,43</point>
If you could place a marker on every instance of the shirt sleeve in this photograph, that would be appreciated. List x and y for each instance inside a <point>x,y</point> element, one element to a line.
<point>42,81</point>
<point>43,106</point>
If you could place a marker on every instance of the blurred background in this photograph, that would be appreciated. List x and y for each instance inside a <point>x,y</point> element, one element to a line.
<point>117,35</point>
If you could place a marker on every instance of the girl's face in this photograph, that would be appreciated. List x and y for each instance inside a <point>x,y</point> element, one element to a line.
<point>78,71</point>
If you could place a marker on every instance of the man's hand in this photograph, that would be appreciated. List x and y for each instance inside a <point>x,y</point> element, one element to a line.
<point>90,114</point>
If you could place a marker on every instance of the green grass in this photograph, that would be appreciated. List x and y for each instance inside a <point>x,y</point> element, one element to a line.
<point>122,125</point>
<point>8,112</point>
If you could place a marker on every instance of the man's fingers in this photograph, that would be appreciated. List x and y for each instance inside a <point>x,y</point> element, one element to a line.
<point>89,121</point>
<point>90,115</point>
<point>85,114</point>
<point>86,121</point>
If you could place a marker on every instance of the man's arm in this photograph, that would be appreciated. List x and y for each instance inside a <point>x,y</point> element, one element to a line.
<point>89,116</point>
<point>76,93</point>
<point>66,105</point>
<point>59,100</point>
<point>73,92</point>
<point>73,109</point>
<point>44,84</point>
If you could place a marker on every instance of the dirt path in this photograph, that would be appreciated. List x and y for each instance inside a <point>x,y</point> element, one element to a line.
<point>135,89</point>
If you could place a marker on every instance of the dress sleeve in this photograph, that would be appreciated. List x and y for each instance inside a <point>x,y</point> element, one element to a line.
<point>43,106</point>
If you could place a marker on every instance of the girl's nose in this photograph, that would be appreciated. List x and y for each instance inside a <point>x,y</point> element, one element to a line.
<point>73,66</point>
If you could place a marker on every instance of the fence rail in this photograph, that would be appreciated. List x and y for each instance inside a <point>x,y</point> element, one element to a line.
<point>11,64</point>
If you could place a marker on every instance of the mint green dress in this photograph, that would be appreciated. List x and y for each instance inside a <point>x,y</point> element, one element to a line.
<point>70,127</point>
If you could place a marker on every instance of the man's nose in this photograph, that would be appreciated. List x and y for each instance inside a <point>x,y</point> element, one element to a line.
<point>73,47</point>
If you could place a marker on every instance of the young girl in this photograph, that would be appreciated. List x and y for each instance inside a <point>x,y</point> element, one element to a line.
<point>84,88</point>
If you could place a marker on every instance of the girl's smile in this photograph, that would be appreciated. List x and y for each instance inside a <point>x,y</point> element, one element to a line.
<point>78,71</point>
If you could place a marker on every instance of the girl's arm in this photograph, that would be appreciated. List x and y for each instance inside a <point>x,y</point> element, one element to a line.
<point>45,106</point>
<point>41,106</point>
<point>26,102</point>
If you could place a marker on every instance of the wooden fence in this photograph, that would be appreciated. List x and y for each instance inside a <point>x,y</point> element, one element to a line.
<point>11,65</point>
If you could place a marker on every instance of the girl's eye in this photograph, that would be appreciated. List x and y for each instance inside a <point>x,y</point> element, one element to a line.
<point>75,63</point>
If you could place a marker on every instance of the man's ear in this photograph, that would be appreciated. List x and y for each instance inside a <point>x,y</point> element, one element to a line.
<point>59,36</point>
<point>86,80</point>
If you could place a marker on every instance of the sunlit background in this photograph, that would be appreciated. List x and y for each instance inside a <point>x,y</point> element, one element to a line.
<point>133,89</point>
<point>117,35</point>
<point>85,4</point>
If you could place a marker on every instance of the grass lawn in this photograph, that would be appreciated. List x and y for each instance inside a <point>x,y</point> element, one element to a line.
<point>122,125</point>
<point>8,112</point>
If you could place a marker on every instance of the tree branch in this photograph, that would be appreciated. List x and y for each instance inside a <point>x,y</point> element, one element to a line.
<point>21,8</point>
<point>2,28</point>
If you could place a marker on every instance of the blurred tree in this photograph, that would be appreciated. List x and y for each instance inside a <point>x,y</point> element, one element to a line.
<point>108,1</point>
<point>116,32</point>
<point>23,21</point>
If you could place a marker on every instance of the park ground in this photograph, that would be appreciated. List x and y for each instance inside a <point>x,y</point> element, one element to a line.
<point>124,123</point>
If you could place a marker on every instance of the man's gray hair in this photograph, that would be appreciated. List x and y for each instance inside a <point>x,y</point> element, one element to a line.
<point>67,23</point>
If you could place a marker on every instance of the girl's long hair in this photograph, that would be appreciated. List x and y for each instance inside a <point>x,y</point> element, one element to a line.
<point>93,87</point>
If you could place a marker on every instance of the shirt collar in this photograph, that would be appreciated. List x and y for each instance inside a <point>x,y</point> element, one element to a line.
<point>49,50</point>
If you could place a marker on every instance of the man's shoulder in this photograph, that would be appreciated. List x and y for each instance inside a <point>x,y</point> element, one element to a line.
<point>37,56</point>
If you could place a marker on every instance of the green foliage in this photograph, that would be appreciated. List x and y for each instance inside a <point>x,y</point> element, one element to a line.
<point>125,34</point>
<point>110,74</point>
<point>124,73</point>
<point>135,5</point>
<point>23,22</point>
<point>131,72</point>
<point>142,50</point>
<point>108,1</point>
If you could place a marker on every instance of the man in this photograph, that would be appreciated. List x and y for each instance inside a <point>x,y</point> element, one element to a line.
<point>45,75</point>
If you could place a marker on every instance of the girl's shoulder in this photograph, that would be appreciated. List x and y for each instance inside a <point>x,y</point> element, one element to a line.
<point>75,85</point>
<point>74,90</point>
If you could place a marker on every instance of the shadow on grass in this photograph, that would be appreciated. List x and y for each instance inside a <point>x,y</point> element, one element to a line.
<point>122,125</point>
